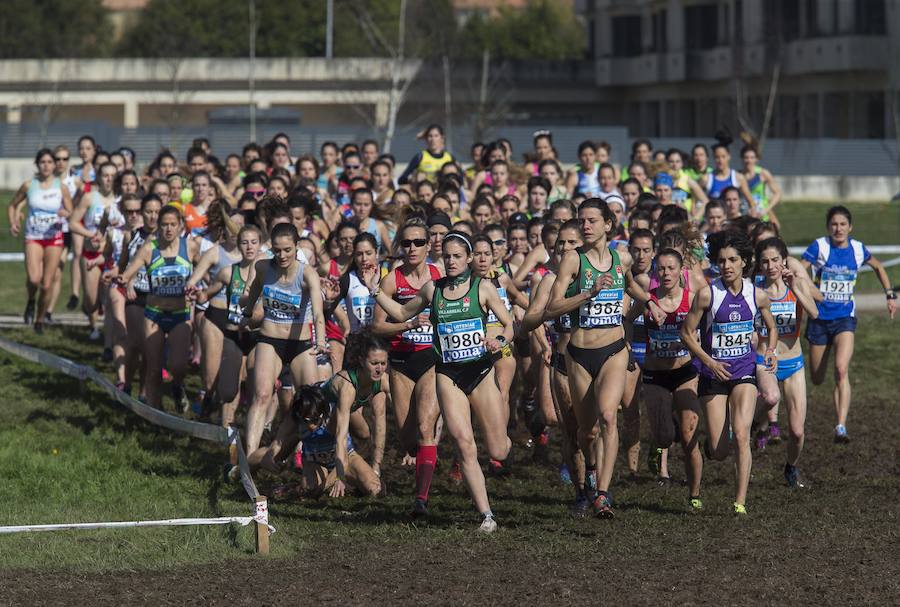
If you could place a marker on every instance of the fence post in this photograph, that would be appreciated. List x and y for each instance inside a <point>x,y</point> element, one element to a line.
<point>262,526</point>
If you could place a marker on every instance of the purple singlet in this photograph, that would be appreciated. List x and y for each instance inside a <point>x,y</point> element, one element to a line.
<point>727,329</point>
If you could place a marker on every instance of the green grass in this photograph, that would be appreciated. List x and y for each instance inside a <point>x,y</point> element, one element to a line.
<point>70,456</point>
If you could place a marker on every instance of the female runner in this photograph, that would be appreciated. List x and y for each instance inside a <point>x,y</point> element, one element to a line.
<point>727,387</point>
<point>49,205</point>
<point>320,418</point>
<point>836,260</point>
<point>558,331</point>
<point>596,357</point>
<point>168,260</point>
<point>484,266</point>
<point>96,211</point>
<point>287,287</point>
<point>760,181</point>
<point>412,360</point>
<point>789,300</point>
<point>230,282</point>
<point>585,177</point>
<point>222,230</point>
<point>136,291</point>
<point>459,305</point>
<point>345,236</point>
<point>669,376</point>
<point>723,176</point>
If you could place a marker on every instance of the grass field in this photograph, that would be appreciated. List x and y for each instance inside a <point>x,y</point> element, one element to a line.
<point>69,455</point>
<point>802,223</point>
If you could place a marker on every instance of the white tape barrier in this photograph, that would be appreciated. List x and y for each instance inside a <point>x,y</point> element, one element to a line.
<point>218,434</point>
<point>172,522</point>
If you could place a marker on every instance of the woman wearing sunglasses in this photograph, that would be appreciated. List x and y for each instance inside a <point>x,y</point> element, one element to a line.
<point>459,304</point>
<point>412,360</point>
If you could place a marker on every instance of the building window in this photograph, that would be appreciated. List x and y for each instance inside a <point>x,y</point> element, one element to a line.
<point>871,17</point>
<point>873,105</point>
<point>626,35</point>
<point>701,24</point>
<point>659,32</point>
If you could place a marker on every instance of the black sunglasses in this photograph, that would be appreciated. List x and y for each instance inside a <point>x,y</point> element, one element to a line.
<point>499,241</point>
<point>61,158</point>
<point>409,242</point>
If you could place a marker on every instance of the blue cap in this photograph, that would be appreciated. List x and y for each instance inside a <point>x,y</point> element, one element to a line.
<point>663,178</point>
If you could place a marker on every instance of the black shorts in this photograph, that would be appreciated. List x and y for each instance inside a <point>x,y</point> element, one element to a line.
<point>558,362</point>
<point>139,300</point>
<point>67,240</point>
<point>466,375</point>
<point>218,317</point>
<point>593,359</point>
<point>245,340</point>
<point>286,349</point>
<point>670,379</point>
<point>710,386</point>
<point>413,364</point>
<point>523,346</point>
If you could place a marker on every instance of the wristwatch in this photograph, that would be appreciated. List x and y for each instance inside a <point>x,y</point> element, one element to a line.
<point>890,294</point>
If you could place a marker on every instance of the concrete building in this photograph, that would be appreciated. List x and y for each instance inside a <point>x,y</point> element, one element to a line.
<point>682,68</point>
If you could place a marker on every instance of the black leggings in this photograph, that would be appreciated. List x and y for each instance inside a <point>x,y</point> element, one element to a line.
<point>593,359</point>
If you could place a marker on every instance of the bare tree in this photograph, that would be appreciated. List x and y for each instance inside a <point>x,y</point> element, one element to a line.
<point>397,53</point>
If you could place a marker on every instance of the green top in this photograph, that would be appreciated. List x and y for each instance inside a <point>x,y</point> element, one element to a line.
<point>695,174</point>
<point>605,309</point>
<point>352,375</point>
<point>233,291</point>
<point>458,324</point>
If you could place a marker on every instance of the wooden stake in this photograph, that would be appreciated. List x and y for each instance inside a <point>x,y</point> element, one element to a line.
<point>262,530</point>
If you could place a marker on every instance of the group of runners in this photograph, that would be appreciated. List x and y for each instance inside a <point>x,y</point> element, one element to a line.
<point>315,294</point>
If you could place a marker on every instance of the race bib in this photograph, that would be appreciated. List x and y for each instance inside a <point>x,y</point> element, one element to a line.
<point>280,305</point>
<point>731,339</point>
<point>363,309</point>
<point>421,335</point>
<point>235,312</point>
<point>604,310</point>
<point>837,286</point>
<point>785,314</point>
<point>38,225</point>
<point>461,340</point>
<point>491,317</point>
<point>667,344</point>
<point>169,281</point>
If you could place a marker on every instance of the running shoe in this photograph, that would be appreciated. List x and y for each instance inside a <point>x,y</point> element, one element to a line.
<point>488,525</point>
<point>95,334</point>
<point>498,469</point>
<point>541,443</point>
<point>564,477</point>
<point>28,316</point>
<point>774,433</point>
<point>793,478</point>
<point>48,318</point>
<point>419,509</point>
<point>165,376</point>
<point>107,355</point>
<point>840,434</point>
<point>581,507</point>
<point>740,509</point>
<point>455,473</point>
<point>39,328</point>
<point>664,481</point>
<point>182,404</point>
<point>72,303</point>
<point>120,386</point>
<point>603,506</point>
<point>761,440</point>
<point>654,460</point>
<point>298,459</point>
<point>695,504</point>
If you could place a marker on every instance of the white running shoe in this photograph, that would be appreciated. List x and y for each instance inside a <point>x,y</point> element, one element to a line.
<point>95,334</point>
<point>488,525</point>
